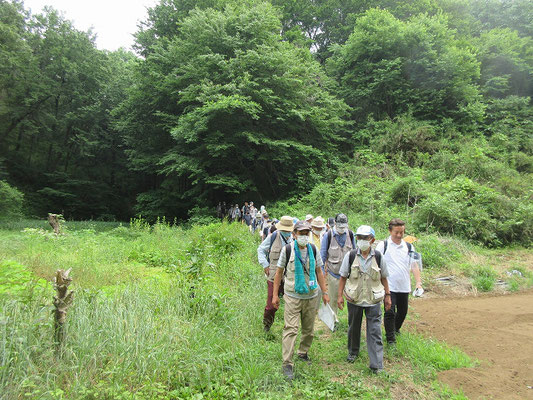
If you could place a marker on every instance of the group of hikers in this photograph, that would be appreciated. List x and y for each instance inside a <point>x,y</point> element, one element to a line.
<point>304,260</point>
<point>247,214</point>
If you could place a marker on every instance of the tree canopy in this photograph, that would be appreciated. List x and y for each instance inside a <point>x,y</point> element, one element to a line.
<point>264,100</point>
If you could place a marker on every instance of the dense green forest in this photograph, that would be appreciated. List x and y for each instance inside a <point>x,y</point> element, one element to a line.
<point>379,108</point>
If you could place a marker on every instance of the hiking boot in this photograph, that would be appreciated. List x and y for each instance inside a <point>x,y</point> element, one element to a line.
<point>377,371</point>
<point>288,372</point>
<point>351,358</point>
<point>304,357</point>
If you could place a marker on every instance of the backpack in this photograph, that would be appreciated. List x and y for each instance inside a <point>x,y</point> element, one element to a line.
<point>386,243</point>
<point>353,253</point>
<point>274,235</point>
<point>330,236</point>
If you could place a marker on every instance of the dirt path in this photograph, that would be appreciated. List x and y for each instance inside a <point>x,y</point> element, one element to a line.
<point>497,330</point>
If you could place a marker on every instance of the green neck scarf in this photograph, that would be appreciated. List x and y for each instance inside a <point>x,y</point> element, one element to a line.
<point>300,286</point>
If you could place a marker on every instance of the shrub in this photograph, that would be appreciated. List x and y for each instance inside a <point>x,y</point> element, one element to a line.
<point>436,252</point>
<point>11,201</point>
<point>484,277</point>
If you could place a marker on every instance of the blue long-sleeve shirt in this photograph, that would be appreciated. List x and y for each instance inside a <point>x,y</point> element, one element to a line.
<point>264,249</point>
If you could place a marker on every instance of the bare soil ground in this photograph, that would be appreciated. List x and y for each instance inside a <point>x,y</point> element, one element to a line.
<point>495,329</point>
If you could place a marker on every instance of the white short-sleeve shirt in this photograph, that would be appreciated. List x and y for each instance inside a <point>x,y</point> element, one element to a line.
<point>399,265</point>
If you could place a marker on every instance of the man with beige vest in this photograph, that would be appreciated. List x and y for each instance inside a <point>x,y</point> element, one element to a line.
<point>301,265</point>
<point>364,284</point>
<point>335,245</point>
<point>268,254</point>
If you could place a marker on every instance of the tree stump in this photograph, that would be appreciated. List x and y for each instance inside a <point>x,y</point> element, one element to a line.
<point>62,302</point>
<point>55,221</point>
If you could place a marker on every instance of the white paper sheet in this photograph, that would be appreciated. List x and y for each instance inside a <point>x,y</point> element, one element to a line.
<point>327,316</point>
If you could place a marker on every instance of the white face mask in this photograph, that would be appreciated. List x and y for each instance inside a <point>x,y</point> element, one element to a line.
<point>341,231</point>
<point>363,244</point>
<point>317,231</point>
<point>302,240</point>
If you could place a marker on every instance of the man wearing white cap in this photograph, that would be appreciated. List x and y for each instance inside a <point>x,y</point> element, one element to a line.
<point>335,245</point>
<point>364,284</point>
<point>309,218</point>
<point>268,254</point>
<point>401,259</point>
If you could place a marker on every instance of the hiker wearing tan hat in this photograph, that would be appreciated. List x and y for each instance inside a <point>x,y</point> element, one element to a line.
<point>268,254</point>
<point>317,231</point>
<point>300,264</point>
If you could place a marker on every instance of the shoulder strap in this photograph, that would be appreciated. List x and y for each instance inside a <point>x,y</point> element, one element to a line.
<point>330,236</point>
<point>351,257</point>
<point>351,235</point>
<point>288,249</point>
<point>409,247</point>
<point>314,249</point>
<point>385,244</point>
<point>272,238</point>
<point>378,258</point>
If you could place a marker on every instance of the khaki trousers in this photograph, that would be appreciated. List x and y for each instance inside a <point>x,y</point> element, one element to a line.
<point>296,310</point>
<point>333,291</point>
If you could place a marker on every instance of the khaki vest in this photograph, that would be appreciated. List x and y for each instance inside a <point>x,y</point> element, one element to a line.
<point>336,253</point>
<point>274,254</point>
<point>362,287</point>
<point>290,279</point>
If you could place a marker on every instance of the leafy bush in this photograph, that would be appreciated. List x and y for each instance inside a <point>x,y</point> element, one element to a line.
<point>11,201</point>
<point>16,281</point>
<point>437,252</point>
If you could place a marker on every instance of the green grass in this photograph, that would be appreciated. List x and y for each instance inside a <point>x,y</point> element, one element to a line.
<point>165,313</point>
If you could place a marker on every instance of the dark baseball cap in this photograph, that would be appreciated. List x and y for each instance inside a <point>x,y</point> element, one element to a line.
<point>341,219</point>
<point>302,226</point>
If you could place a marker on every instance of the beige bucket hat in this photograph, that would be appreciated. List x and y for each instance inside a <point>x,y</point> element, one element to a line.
<point>318,222</point>
<point>285,224</point>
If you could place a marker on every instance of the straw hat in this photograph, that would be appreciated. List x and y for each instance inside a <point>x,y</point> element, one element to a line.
<point>318,222</point>
<point>285,224</point>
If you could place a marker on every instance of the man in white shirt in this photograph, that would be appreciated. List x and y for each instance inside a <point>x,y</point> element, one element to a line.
<point>400,258</point>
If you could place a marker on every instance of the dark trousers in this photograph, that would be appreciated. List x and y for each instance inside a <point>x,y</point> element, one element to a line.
<point>270,310</point>
<point>374,343</point>
<point>394,318</point>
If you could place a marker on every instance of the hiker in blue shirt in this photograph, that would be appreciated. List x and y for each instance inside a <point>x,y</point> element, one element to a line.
<point>336,243</point>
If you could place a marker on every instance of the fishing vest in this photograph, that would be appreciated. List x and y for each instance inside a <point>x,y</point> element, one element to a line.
<point>336,253</point>
<point>364,287</point>
<point>290,279</point>
<point>273,256</point>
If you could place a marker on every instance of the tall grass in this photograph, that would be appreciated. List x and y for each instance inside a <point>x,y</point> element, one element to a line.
<point>163,313</point>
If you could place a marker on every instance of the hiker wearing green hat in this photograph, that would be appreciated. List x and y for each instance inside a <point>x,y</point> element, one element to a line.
<point>301,265</point>
<point>268,254</point>
<point>364,284</point>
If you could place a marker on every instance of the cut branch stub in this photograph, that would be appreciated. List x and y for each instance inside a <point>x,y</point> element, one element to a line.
<point>55,222</point>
